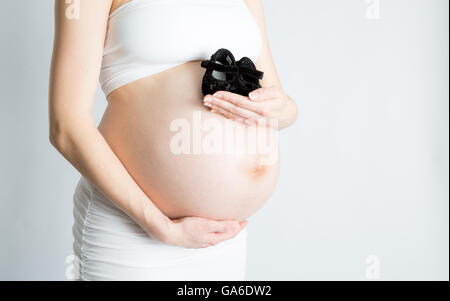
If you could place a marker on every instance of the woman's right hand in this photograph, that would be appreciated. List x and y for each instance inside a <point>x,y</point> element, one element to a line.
<point>198,232</point>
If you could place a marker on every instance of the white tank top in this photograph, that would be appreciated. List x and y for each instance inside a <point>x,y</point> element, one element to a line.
<point>146,37</point>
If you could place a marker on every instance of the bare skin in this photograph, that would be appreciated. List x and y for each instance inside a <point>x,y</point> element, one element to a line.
<point>179,200</point>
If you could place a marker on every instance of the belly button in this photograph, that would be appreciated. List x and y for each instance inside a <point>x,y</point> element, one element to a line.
<point>258,171</point>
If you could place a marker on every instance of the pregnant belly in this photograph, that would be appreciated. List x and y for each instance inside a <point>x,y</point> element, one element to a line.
<point>189,161</point>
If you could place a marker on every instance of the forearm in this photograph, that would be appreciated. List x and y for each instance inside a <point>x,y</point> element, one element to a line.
<point>86,149</point>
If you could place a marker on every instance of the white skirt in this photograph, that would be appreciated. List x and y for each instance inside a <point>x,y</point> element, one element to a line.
<point>109,245</point>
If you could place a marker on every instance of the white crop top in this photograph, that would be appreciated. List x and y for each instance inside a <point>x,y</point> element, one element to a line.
<point>146,37</point>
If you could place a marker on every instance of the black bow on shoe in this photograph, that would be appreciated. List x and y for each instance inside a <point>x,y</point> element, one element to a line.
<point>248,76</point>
<point>223,73</point>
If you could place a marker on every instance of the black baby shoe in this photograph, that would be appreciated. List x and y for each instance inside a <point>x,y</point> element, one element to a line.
<point>223,73</point>
<point>248,76</point>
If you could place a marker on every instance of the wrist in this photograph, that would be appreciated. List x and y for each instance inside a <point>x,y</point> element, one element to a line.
<point>156,224</point>
<point>168,233</point>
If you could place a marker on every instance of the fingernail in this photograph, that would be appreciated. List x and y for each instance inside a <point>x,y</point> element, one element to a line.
<point>237,226</point>
<point>208,104</point>
<point>244,224</point>
<point>254,95</point>
<point>218,95</point>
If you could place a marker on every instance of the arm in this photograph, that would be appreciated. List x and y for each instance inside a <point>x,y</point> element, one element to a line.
<point>76,62</point>
<point>75,68</point>
<point>269,102</point>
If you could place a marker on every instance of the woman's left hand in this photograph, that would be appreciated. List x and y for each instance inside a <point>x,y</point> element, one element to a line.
<point>263,106</point>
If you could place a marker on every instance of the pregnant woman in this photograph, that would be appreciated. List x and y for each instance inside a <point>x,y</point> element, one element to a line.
<point>144,210</point>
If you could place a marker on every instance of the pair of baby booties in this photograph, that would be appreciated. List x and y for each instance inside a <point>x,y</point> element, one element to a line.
<point>224,73</point>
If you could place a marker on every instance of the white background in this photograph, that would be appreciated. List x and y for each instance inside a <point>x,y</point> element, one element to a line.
<point>364,169</point>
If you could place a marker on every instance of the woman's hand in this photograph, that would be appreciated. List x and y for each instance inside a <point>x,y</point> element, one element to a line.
<point>264,106</point>
<point>198,232</point>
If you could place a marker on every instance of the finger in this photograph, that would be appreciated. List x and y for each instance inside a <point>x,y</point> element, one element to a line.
<point>264,113</point>
<point>231,116</point>
<point>263,94</point>
<point>262,108</point>
<point>244,113</point>
<point>225,113</point>
<point>218,237</point>
<point>237,100</point>
<point>223,226</point>
<point>242,224</point>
